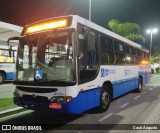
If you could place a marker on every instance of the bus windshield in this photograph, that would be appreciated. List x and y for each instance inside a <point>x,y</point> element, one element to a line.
<point>47,52</point>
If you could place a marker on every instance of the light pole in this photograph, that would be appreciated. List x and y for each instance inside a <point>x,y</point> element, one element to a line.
<point>90,9</point>
<point>151,32</point>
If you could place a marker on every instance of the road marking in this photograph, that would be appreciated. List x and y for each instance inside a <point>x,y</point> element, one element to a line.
<point>13,116</point>
<point>105,117</point>
<point>137,97</point>
<point>144,92</point>
<point>124,105</point>
<point>150,88</point>
<point>152,84</point>
<point>9,110</point>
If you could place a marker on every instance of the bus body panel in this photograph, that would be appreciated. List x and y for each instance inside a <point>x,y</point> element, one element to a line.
<point>9,69</point>
<point>84,101</point>
<point>7,64</point>
<point>122,87</point>
<point>144,71</point>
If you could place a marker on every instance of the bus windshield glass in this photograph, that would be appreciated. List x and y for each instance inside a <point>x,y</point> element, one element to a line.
<point>50,53</point>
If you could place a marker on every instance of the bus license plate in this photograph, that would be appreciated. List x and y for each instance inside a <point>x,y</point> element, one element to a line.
<point>55,105</point>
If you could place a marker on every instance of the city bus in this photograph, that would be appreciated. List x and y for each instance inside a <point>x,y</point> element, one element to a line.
<point>68,64</point>
<point>7,63</point>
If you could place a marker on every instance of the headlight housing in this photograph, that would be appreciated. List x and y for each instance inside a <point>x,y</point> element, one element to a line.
<point>61,99</point>
<point>16,94</point>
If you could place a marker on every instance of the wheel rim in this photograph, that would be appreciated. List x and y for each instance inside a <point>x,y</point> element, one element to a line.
<point>140,85</point>
<point>1,79</point>
<point>105,99</point>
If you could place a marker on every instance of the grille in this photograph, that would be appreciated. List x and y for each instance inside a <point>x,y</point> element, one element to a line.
<point>36,90</point>
<point>34,98</point>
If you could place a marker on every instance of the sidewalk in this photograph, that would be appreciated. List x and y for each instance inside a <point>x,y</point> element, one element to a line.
<point>155,74</point>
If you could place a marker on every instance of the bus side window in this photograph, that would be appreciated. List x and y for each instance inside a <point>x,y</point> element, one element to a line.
<point>119,51</point>
<point>136,60</point>
<point>120,58</point>
<point>107,55</point>
<point>88,59</point>
<point>129,54</point>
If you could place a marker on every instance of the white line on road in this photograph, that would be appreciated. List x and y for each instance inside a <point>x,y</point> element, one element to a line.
<point>105,117</point>
<point>150,88</point>
<point>144,92</point>
<point>124,105</point>
<point>137,97</point>
<point>14,109</point>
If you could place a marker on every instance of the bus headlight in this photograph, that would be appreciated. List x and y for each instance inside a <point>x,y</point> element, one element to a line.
<point>68,99</point>
<point>61,99</point>
<point>58,99</point>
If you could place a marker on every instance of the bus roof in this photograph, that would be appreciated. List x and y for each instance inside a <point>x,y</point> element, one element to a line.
<point>108,32</point>
<point>96,27</point>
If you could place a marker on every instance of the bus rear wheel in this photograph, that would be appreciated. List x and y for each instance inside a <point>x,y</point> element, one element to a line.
<point>1,78</point>
<point>139,89</point>
<point>105,98</point>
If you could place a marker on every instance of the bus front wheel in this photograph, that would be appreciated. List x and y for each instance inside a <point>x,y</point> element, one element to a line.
<point>1,78</point>
<point>105,98</point>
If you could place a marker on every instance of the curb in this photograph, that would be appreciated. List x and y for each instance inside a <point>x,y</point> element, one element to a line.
<point>11,111</point>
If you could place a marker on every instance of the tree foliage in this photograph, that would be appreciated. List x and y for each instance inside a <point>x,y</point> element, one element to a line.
<point>127,30</point>
<point>155,60</point>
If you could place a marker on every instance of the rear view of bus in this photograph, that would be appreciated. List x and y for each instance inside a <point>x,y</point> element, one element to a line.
<point>7,63</point>
<point>60,67</point>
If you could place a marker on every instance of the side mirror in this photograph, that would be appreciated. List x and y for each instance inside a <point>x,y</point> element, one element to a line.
<point>12,38</point>
<point>10,51</point>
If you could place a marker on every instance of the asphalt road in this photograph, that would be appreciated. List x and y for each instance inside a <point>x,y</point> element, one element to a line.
<point>132,108</point>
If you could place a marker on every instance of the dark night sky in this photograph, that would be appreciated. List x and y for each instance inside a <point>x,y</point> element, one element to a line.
<point>144,12</point>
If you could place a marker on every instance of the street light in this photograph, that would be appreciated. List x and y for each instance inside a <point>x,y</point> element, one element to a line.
<point>90,9</point>
<point>151,32</point>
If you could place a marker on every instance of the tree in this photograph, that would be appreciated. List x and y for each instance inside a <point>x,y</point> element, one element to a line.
<point>113,25</point>
<point>127,30</point>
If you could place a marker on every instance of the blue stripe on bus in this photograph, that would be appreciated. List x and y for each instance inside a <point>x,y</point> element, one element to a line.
<point>10,75</point>
<point>124,87</point>
<point>124,80</point>
<point>146,77</point>
<point>84,101</point>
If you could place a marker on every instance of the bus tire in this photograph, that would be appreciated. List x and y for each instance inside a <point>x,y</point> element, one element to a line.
<point>139,89</point>
<point>1,78</point>
<point>105,98</point>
